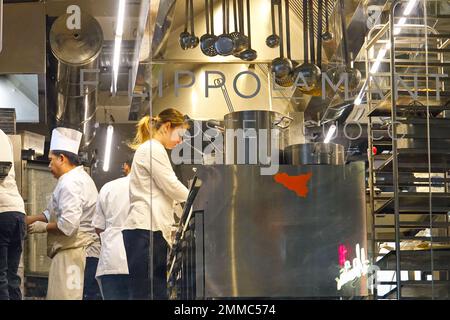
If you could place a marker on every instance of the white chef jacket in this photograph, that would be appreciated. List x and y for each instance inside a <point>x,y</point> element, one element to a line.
<point>73,205</point>
<point>113,205</point>
<point>154,189</point>
<point>10,199</point>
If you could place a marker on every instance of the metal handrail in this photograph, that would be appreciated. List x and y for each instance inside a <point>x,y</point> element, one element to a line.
<point>395,152</point>
<point>383,28</point>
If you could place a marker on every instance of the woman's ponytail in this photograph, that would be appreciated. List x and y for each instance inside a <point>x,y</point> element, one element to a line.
<point>143,132</point>
<point>147,126</point>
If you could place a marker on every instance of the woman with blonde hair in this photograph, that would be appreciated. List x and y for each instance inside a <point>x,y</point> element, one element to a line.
<point>154,189</point>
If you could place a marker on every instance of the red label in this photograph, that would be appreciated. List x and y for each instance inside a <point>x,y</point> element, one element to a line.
<point>342,252</point>
<point>298,184</point>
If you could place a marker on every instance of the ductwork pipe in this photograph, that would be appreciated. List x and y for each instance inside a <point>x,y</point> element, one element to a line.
<point>77,52</point>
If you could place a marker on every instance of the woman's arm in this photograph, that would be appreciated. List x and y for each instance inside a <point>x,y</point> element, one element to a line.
<point>167,180</point>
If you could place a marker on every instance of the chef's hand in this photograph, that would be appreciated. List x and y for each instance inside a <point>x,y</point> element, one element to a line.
<point>37,217</point>
<point>29,220</point>
<point>37,227</point>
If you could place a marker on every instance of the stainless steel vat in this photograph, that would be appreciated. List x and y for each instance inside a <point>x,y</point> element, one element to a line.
<point>254,136</point>
<point>262,240</point>
<point>314,153</point>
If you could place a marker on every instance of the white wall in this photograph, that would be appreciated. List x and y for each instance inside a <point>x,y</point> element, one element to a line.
<point>192,101</point>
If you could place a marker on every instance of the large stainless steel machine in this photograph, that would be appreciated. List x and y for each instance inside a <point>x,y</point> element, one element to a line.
<point>37,187</point>
<point>254,237</point>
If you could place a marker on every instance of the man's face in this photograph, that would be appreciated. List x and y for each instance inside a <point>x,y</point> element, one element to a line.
<point>56,164</point>
<point>126,169</point>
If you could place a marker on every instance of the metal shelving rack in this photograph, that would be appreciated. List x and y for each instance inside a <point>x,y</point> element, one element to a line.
<point>409,174</point>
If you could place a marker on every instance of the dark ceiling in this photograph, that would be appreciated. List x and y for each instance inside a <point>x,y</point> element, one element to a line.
<point>19,1</point>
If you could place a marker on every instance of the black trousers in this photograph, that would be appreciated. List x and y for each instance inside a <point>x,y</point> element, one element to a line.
<point>12,233</point>
<point>146,281</point>
<point>91,290</point>
<point>114,286</point>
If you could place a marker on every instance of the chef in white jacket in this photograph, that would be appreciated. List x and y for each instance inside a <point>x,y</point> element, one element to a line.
<point>154,189</point>
<point>12,224</point>
<point>113,205</point>
<point>71,238</point>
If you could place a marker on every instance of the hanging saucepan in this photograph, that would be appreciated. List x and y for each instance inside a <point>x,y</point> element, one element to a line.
<point>353,74</point>
<point>224,44</point>
<point>249,54</point>
<point>240,41</point>
<point>281,67</point>
<point>327,36</point>
<point>185,35</point>
<point>273,40</point>
<point>193,39</point>
<point>310,73</point>
<point>208,40</point>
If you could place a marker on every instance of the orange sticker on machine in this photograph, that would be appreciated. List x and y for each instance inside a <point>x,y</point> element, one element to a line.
<point>298,184</point>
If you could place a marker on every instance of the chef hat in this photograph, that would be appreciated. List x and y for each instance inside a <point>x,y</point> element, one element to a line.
<point>65,139</point>
<point>5,148</point>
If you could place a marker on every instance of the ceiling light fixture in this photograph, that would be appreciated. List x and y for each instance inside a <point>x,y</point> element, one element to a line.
<point>118,45</point>
<point>109,138</point>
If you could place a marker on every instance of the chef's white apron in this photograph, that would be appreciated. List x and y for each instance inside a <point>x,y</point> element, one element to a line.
<point>113,257</point>
<point>66,275</point>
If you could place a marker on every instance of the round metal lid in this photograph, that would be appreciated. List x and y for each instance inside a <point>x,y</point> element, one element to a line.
<point>77,46</point>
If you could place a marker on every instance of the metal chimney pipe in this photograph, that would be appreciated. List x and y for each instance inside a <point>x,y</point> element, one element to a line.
<point>77,52</point>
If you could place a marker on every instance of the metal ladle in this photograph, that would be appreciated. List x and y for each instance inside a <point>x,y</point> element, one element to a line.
<point>241,27</point>
<point>193,39</point>
<point>310,72</point>
<point>353,74</point>
<point>249,54</point>
<point>282,67</point>
<point>289,80</point>
<point>273,40</point>
<point>208,40</point>
<point>318,90</point>
<point>240,41</point>
<point>224,44</point>
<point>327,36</point>
<point>319,33</point>
<point>185,35</point>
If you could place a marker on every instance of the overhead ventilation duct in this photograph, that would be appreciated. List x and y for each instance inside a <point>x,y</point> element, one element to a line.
<point>161,23</point>
<point>77,52</point>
